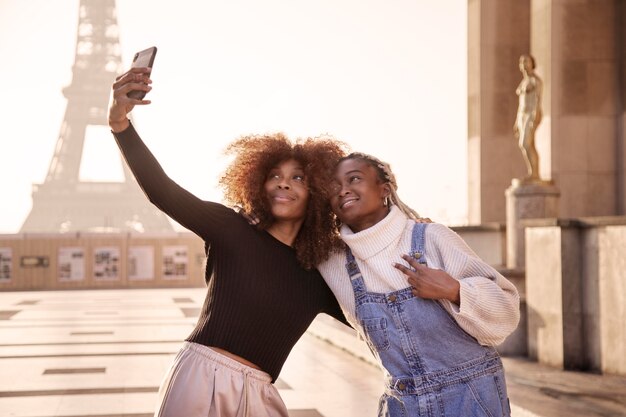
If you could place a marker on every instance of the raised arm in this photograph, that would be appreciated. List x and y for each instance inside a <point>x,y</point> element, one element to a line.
<point>204,218</point>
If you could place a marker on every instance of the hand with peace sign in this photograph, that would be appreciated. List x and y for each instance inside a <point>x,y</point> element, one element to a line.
<point>430,283</point>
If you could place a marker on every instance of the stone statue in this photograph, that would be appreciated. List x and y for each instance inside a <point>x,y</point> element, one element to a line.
<point>528,115</point>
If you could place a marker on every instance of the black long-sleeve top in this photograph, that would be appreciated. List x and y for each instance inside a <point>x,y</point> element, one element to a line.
<point>259,299</point>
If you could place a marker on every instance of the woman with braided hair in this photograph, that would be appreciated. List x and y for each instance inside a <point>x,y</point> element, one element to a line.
<point>433,335</point>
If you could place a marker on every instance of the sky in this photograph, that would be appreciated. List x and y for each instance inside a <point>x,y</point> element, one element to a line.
<point>387,77</point>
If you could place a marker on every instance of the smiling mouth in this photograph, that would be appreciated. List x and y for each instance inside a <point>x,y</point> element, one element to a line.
<point>282,198</point>
<point>348,203</point>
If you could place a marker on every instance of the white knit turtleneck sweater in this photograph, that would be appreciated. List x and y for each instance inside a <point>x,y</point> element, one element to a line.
<point>489,308</point>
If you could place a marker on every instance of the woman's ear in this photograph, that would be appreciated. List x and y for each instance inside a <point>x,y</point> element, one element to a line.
<point>386,190</point>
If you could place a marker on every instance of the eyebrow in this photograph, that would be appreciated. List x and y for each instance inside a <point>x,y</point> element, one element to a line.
<point>353,171</point>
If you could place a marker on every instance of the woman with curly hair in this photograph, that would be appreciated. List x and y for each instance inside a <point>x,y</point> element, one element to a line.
<point>263,291</point>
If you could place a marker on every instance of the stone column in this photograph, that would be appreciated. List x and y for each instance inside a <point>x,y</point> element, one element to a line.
<point>498,33</point>
<point>577,48</point>
<point>535,200</point>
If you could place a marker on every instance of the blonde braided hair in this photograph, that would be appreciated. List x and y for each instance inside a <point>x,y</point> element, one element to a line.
<point>387,177</point>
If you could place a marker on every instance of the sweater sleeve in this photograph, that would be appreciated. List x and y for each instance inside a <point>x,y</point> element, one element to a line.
<point>204,218</point>
<point>489,309</point>
<point>335,311</point>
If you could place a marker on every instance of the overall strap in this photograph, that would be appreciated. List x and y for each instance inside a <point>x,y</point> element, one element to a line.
<point>356,279</point>
<point>418,242</point>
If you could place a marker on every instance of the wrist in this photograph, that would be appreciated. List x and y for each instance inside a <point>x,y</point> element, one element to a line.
<point>455,294</point>
<point>119,125</point>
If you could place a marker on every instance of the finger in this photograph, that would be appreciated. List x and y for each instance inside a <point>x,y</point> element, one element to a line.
<point>140,78</point>
<point>136,102</point>
<point>133,75</point>
<point>131,78</point>
<point>127,88</point>
<point>121,89</point>
<point>411,260</point>
<point>134,70</point>
<point>404,269</point>
<point>413,282</point>
<point>421,267</point>
<point>140,70</point>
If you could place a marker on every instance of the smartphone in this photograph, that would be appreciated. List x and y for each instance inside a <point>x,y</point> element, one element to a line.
<point>143,58</point>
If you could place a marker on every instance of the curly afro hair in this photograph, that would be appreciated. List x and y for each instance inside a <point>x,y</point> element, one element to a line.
<point>244,179</point>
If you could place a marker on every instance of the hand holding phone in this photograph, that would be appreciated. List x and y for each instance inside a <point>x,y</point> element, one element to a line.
<point>143,58</point>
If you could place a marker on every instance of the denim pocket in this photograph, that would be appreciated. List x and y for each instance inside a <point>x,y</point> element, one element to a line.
<point>376,333</point>
<point>480,396</point>
<point>490,393</point>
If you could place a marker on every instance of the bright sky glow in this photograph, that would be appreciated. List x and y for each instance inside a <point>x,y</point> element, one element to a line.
<point>387,77</point>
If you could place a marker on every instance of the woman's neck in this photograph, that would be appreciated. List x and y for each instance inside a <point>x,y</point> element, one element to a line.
<point>286,231</point>
<point>368,221</point>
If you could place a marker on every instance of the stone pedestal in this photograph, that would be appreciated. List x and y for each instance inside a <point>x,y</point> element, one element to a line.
<point>555,303</point>
<point>526,200</point>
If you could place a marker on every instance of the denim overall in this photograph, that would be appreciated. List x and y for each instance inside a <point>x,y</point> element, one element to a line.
<point>433,368</point>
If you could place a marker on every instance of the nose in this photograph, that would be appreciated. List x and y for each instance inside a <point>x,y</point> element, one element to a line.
<point>343,190</point>
<point>283,184</point>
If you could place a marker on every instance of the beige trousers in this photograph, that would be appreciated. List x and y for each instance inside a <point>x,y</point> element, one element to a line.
<point>204,383</point>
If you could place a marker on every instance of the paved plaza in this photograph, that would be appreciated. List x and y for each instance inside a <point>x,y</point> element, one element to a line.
<point>103,353</point>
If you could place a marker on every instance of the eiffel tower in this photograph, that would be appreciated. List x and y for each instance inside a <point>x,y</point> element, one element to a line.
<point>64,203</point>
